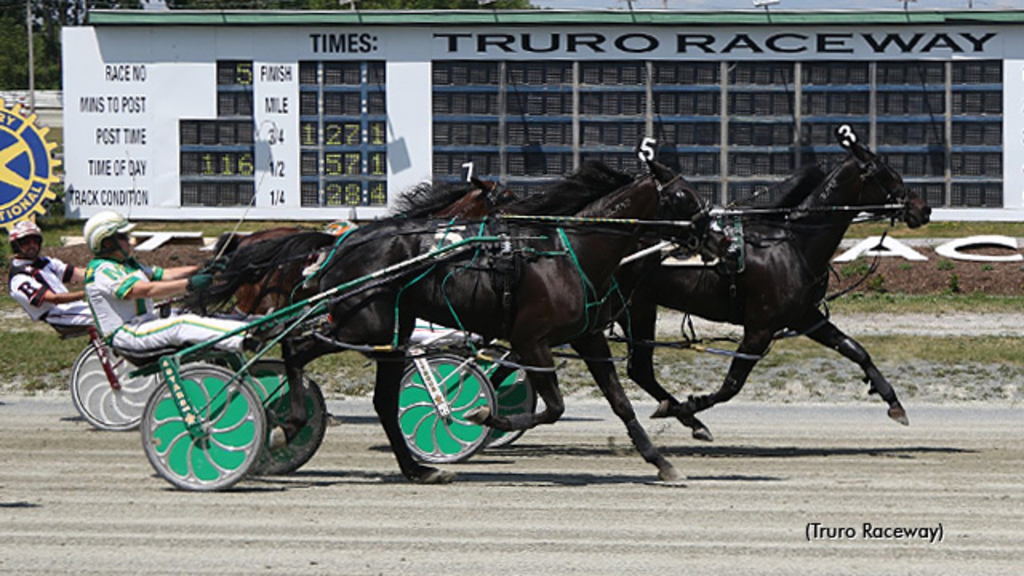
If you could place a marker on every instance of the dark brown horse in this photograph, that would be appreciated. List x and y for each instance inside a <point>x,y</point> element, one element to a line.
<point>282,286</point>
<point>535,285</point>
<point>785,261</point>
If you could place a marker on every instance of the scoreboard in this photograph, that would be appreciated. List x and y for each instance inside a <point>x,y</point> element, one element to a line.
<point>220,123</point>
<point>322,116</point>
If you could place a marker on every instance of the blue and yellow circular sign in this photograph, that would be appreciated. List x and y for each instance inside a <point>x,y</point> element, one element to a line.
<point>26,166</point>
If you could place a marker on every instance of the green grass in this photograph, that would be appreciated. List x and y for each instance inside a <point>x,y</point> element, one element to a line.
<point>939,230</point>
<point>878,303</point>
<point>950,350</point>
<point>34,357</point>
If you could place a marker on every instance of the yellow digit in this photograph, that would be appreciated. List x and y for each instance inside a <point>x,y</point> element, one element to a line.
<point>244,73</point>
<point>332,134</point>
<point>378,194</point>
<point>353,194</point>
<point>309,134</point>
<point>377,133</point>
<point>332,164</point>
<point>353,163</point>
<point>208,165</point>
<point>227,164</point>
<point>246,164</point>
<point>353,134</point>
<point>332,193</point>
<point>377,163</point>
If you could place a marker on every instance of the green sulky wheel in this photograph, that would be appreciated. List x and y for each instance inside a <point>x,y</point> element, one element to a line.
<point>234,430</point>
<point>102,405</point>
<point>271,383</point>
<point>514,395</point>
<point>430,436</point>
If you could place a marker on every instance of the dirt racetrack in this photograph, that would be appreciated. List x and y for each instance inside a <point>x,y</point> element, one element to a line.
<point>572,498</point>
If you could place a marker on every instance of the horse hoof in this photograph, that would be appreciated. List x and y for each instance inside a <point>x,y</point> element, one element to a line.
<point>278,438</point>
<point>662,410</point>
<point>703,434</point>
<point>669,474</point>
<point>435,476</point>
<point>478,415</point>
<point>899,415</point>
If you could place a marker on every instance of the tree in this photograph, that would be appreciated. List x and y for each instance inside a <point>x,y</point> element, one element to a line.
<point>13,46</point>
<point>50,16</point>
<point>359,4</point>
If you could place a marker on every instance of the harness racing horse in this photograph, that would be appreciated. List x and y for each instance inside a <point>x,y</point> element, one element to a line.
<point>784,279</point>
<point>535,285</point>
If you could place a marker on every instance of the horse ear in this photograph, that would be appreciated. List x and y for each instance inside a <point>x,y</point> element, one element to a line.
<point>661,172</point>
<point>645,150</point>
<point>481,185</point>
<point>848,140</point>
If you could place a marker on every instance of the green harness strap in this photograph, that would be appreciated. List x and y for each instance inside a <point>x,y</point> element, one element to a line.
<point>334,249</point>
<point>440,243</point>
<point>588,286</point>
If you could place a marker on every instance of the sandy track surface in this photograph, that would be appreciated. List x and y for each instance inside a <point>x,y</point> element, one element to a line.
<point>856,325</point>
<point>572,498</point>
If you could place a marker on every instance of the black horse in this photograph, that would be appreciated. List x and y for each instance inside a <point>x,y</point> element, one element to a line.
<point>536,285</point>
<point>785,260</point>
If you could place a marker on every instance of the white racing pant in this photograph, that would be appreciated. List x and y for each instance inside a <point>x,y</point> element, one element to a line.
<point>69,315</point>
<point>177,332</point>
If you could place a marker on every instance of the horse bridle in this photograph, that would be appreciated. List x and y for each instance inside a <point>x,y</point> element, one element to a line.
<point>870,170</point>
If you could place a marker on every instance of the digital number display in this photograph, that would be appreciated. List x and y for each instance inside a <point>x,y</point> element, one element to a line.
<point>234,73</point>
<point>353,193</point>
<point>339,124</point>
<point>343,133</point>
<point>218,158</point>
<point>218,164</point>
<point>337,163</point>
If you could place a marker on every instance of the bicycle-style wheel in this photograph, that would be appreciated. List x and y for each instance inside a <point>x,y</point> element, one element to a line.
<point>271,383</point>
<point>430,436</point>
<point>514,395</point>
<point>101,404</point>
<point>234,424</point>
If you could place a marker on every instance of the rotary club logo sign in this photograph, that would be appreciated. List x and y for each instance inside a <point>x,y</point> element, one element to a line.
<point>26,166</point>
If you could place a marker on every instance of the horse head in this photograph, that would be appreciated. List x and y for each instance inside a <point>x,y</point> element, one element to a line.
<point>679,200</point>
<point>493,193</point>
<point>874,184</point>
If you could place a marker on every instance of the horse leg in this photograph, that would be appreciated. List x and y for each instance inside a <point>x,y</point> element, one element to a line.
<point>544,384</point>
<point>640,368</point>
<point>385,401</point>
<point>828,335</point>
<point>296,355</point>
<point>597,355</point>
<point>753,345</point>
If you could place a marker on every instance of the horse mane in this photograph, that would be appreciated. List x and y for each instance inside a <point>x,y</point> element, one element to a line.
<point>799,186</point>
<point>426,198</point>
<point>226,243</point>
<point>251,263</point>
<point>571,194</point>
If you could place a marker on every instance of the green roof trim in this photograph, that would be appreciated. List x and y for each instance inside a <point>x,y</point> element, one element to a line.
<point>551,17</point>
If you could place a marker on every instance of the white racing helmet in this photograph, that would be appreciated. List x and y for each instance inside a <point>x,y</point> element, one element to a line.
<point>24,229</point>
<point>104,225</point>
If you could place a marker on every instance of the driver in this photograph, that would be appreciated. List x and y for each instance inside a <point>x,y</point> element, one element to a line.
<point>37,282</point>
<point>120,292</point>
